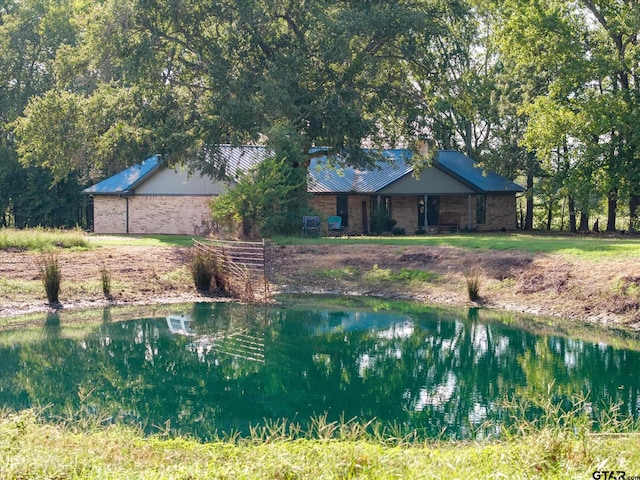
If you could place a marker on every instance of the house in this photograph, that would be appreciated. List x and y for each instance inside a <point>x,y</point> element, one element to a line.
<point>451,193</point>
<point>150,199</point>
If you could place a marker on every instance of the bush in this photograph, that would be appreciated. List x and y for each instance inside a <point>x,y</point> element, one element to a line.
<point>50,274</point>
<point>398,231</point>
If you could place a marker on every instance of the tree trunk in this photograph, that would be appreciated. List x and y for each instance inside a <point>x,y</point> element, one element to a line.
<point>584,221</point>
<point>612,207</point>
<point>634,202</point>
<point>549,214</point>
<point>528,216</point>
<point>572,214</point>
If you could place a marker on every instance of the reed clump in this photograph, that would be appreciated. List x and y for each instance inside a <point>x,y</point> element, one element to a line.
<point>105,278</point>
<point>202,267</point>
<point>474,282</point>
<point>50,274</point>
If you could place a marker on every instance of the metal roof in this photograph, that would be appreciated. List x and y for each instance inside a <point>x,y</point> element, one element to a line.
<point>324,178</point>
<point>125,181</point>
<point>467,171</point>
<point>235,159</point>
<point>242,158</point>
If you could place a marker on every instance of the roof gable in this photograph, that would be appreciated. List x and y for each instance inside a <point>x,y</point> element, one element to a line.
<point>125,181</point>
<point>467,171</point>
<point>236,159</point>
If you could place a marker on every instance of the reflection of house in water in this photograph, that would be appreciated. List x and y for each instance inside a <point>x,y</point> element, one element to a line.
<point>180,324</point>
<point>238,343</point>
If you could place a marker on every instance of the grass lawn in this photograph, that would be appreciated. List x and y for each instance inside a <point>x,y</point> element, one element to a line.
<point>586,246</point>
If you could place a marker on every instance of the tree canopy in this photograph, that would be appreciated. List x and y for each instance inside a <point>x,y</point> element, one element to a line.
<point>541,90</point>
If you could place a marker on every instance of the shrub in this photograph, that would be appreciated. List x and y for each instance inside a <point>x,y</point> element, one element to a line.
<point>50,274</point>
<point>398,231</point>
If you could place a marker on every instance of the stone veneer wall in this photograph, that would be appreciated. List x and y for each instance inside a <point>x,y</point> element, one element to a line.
<point>177,215</point>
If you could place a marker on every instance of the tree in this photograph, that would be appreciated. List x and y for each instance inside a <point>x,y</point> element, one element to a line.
<point>30,34</point>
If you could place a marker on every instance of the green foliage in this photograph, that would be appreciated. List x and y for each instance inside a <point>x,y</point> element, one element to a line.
<point>50,276</point>
<point>85,448</point>
<point>271,198</point>
<point>404,275</point>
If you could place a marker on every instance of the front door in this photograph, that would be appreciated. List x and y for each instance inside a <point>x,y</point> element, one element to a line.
<point>433,211</point>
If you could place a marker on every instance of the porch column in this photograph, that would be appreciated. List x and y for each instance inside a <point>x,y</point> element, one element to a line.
<point>469,213</point>
<point>426,216</point>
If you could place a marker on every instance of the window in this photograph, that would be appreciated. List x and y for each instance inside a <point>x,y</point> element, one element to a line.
<point>342,209</point>
<point>481,209</point>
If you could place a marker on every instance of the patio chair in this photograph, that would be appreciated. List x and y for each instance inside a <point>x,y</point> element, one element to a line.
<point>310,225</point>
<point>335,225</point>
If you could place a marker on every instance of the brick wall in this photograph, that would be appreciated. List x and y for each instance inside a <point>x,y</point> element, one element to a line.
<point>179,215</point>
<point>501,213</point>
<point>326,206</point>
<point>109,214</point>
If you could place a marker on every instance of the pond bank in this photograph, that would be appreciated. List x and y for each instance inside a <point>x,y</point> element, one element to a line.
<point>601,291</point>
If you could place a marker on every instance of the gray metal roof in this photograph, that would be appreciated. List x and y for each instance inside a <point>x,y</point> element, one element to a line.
<point>242,158</point>
<point>323,179</point>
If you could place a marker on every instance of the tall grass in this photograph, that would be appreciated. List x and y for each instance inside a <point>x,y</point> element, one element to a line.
<point>202,267</point>
<point>105,278</point>
<point>41,239</point>
<point>473,281</point>
<point>50,275</point>
<point>560,445</point>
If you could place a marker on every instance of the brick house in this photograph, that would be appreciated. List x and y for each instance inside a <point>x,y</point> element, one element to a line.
<point>451,193</point>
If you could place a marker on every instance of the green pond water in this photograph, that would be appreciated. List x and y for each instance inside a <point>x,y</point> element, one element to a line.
<point>212,368</point>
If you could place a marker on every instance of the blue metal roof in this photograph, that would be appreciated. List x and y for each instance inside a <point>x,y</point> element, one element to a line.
<point>467,171</point>
<point>125,181</point>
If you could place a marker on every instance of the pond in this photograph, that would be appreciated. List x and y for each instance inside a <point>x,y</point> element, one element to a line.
<point>216,368</point>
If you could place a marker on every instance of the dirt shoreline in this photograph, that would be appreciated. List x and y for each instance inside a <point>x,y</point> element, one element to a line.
<point>604,292</point>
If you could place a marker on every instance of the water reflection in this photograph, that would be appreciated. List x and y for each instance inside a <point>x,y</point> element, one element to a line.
<point>223,367</point>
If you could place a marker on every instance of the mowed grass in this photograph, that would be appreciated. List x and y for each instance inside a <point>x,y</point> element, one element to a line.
<point>587,246</point>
